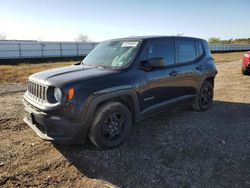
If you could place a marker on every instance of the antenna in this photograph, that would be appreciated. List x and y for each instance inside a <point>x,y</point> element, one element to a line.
<point>180,34</point>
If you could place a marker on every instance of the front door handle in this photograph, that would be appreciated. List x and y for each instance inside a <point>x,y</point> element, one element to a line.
<point>173,73</point>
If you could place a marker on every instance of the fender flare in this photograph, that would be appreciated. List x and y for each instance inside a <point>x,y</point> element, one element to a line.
<point>92,105</point>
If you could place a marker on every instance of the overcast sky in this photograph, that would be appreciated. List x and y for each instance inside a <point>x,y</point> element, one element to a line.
<point>64,20</point>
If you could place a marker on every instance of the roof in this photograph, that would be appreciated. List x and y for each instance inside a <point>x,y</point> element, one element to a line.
<point>155,36</point>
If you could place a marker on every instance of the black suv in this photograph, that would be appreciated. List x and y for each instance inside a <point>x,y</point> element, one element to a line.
<point>119,82</point>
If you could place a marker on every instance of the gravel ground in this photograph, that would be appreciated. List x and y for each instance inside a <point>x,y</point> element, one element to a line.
<point>178,148</point>
<point>12,88</point>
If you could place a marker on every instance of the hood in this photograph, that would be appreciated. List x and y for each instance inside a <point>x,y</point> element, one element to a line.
<point>64,75</point>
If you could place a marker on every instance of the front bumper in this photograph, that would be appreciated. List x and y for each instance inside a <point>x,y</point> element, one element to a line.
<point>54,127</point>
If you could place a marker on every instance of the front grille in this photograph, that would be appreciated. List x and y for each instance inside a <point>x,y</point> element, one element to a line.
<point>37,91</point>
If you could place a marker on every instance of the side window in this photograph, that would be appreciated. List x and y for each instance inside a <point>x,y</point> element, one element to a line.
<point>185,51</point>
<point>199,49</point>
<point>164,49</point>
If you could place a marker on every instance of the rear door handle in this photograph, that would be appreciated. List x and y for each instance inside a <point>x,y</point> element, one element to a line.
<point>200,68</point>
<point>173,73</point>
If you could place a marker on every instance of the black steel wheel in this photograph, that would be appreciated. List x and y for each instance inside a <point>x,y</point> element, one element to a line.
<point>204,99</point>
<point>111,125</point>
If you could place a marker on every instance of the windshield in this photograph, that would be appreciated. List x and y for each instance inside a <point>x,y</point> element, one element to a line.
<point>112,54</point>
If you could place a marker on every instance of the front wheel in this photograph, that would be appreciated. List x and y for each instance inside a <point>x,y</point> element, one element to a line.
<point>245,71</point>
<point>111,125</point>
<point>204,99</point>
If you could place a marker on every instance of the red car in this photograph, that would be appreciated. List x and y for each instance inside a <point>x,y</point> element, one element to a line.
<point>246,63</point>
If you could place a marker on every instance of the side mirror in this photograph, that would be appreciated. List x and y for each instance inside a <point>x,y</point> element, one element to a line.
<point>157,62</point>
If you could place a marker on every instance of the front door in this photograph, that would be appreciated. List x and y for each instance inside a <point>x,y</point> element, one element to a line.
<point>159,86</point>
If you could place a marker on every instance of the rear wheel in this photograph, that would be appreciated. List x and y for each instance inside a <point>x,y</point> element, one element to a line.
<point>111,125</point>
<point>205,97</point>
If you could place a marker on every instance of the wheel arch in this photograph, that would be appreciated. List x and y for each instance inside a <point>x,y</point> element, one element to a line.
<point>210,79</point>
<point>126,97</point>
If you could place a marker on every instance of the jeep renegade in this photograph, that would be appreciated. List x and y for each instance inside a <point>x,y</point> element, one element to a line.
<point>119,82</point>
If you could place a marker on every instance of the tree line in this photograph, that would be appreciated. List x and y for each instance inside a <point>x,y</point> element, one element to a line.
<point>211,40</point>
<point>214,40</point>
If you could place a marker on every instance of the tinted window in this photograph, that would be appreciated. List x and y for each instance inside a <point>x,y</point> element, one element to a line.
<point>186,51</point>
<point>163,49</point>
<point>199,49</point>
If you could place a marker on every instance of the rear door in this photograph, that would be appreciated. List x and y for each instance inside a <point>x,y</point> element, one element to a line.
<point>188,55</point>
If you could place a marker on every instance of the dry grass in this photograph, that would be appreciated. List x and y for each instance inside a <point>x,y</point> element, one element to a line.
<point>19,73</point>
<point>227,57</point>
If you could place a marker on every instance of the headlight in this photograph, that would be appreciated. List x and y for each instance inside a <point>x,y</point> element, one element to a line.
<point>57,94</point>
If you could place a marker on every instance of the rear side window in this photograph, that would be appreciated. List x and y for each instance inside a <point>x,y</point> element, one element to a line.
<point>185,51</point>
<point>199,49</point>
<point>164,49</point>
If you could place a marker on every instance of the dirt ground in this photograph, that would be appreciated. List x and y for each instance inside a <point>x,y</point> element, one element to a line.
<point>179,148</point>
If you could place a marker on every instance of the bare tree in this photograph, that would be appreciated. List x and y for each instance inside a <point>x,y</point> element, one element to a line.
<point>83,38</point>
<point>3,36</point>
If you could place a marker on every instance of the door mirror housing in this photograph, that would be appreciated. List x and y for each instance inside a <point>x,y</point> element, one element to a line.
<point>157,62</point>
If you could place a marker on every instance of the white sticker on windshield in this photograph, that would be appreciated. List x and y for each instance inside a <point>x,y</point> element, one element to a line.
<point>129,44</point>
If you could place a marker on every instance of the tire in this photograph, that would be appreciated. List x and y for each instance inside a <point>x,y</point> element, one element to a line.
<point>204,99</point>
<point>245,71</point>
<point>111,125</point>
